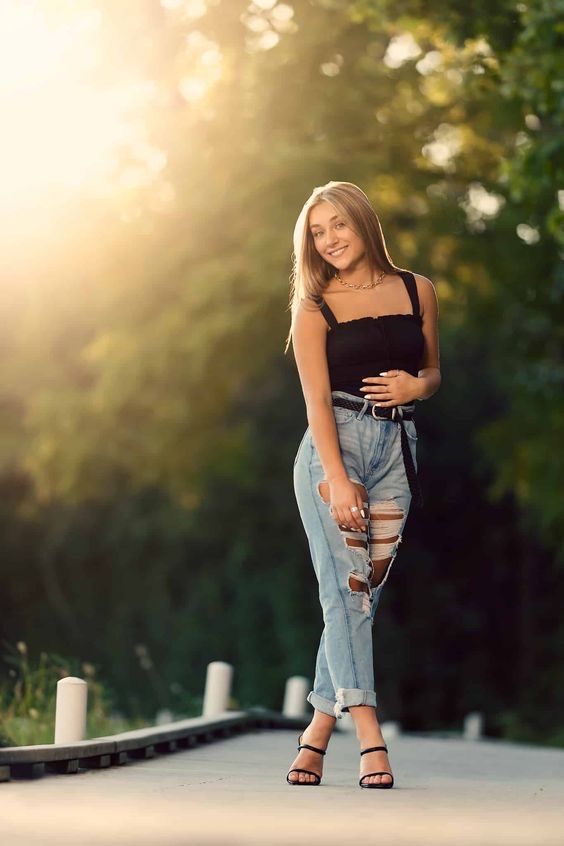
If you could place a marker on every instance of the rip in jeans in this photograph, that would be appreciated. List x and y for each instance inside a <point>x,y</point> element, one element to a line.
<point>373,549</point>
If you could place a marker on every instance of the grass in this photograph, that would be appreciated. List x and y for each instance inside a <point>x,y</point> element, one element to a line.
<point>27,699</point>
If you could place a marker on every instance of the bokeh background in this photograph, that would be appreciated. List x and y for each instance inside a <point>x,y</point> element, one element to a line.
<point>154,158</point>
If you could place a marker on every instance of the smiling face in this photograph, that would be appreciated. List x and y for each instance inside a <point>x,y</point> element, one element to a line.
<point>333,237</point>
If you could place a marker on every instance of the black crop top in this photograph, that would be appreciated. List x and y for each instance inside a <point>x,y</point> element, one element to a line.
<point>365,346</point>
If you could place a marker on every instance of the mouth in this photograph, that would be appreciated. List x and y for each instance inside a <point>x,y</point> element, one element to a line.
<point>337,253</point>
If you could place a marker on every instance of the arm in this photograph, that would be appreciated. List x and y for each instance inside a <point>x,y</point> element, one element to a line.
<point>429,377</point>
<point>309,333</point>
<point>397,387</point>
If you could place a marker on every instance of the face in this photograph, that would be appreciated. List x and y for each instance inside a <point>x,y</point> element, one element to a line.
<point>333,237</point>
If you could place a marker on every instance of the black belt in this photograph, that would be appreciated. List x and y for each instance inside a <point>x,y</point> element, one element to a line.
<point>398,414</point>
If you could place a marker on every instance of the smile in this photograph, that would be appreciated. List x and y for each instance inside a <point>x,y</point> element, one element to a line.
<point>338,252</point>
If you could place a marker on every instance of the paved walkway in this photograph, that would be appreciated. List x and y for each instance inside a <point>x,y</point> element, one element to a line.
<point>451,792</point>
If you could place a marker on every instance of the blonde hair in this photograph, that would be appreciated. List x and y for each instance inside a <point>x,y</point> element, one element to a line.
<point>310,272</point>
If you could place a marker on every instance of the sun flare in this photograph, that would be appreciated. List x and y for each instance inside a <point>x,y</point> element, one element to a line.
<point>64,118</point>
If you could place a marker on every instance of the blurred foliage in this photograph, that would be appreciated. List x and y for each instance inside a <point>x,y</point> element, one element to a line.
<point>28,698</point>
<point>150,416</point>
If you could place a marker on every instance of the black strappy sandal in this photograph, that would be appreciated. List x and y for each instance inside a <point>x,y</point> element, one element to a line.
<point>381,784</point>
<point>309,772</point>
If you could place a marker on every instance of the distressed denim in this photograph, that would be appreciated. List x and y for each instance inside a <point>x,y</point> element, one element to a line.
<point>371,453</point>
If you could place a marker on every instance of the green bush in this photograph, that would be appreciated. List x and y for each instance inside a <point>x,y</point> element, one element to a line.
<point>27,700</point>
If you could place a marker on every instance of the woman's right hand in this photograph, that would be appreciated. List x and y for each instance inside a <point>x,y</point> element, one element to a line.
<point>343,494</point>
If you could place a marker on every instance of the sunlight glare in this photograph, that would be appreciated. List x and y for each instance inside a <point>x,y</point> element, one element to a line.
<point>60,126</point>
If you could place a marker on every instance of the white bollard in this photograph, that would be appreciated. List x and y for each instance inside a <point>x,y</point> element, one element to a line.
<point>346,723</point>
<point>163,717</point>
<point>295,694</point>
<point>218,688</point>
<point>473,726</point>
<point>390,730</point>
<point>70,710</point>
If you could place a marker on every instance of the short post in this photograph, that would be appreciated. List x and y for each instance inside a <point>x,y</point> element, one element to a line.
<point>218,688</point>
<point>346,723</point>
<point>295,695</point>
<point>164,716</point>
<point>70,710</point>
<point>473,726</point>
<point>390,729</point>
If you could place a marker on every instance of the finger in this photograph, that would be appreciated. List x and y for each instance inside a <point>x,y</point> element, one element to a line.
<point>365,515</point>
<point>373,383</point>
<point>340,517</point>
<point>366,510</point>
<point>385,396</point>
<point>357,518</point>
<point>354,518</point>
<point>350,521</point>
<point>380,391</point>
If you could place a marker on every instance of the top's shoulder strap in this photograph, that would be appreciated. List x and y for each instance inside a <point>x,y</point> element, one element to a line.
<point>411,286</point>
<point>328,315</point>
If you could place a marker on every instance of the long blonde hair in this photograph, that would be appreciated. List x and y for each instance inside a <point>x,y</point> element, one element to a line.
<point>310,272</point>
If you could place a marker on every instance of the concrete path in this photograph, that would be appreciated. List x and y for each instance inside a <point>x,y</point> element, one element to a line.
<point>451,792</point>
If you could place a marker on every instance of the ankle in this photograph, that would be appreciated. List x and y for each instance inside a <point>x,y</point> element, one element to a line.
<point>320,727</point>
<point>370,738</point>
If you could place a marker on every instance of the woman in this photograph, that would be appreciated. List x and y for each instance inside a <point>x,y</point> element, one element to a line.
<point>366,345</point>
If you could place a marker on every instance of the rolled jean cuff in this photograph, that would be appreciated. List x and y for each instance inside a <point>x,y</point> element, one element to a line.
<point>320,703</point>
<point>352,696</point>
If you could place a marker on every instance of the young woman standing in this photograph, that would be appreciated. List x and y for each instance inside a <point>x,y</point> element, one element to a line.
<point>365,340</point>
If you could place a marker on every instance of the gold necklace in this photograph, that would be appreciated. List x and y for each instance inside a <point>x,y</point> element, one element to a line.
<point>378,281</point>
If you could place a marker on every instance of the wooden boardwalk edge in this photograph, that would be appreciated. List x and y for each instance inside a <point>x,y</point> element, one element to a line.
<point>35,761</point>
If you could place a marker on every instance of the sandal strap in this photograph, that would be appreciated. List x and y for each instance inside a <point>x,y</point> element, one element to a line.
<point>382,772</point>
<point>309,772</point>
<point>386,783</point>
<point>313,748</point>
<point>374,749</point>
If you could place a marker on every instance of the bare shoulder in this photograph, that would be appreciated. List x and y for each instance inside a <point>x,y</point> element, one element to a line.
<point>426,292</point>
<point>424,285</point>
<point>309,304</point>
<point>309,310</point>
<point>308,319</point>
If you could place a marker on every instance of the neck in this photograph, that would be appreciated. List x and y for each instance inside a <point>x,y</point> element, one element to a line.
<point>360,275</point>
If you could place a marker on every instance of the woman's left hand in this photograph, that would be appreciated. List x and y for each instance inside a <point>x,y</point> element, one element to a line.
<point>392,387</point>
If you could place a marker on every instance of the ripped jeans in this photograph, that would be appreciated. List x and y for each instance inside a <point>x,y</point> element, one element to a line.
<point>344,561</point>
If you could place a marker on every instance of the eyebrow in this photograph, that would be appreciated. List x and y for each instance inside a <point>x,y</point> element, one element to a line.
<point>330,219</point>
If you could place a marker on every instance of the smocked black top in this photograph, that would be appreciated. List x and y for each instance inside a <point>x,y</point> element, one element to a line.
<point>365,346</point>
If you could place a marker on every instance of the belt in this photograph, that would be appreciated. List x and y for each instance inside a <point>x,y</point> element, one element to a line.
<point>399,414</point>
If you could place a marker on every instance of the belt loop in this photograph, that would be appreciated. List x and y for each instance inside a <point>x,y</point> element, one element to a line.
<point>362,411</point>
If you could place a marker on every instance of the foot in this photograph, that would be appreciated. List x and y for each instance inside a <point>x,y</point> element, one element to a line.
<point>308,760</point>
<point>374,762</point>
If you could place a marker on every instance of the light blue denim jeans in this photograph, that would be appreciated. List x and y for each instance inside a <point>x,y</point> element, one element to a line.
<point>372,456</point>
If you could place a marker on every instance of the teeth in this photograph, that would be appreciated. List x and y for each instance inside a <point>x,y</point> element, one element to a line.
<point>337,252</point>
